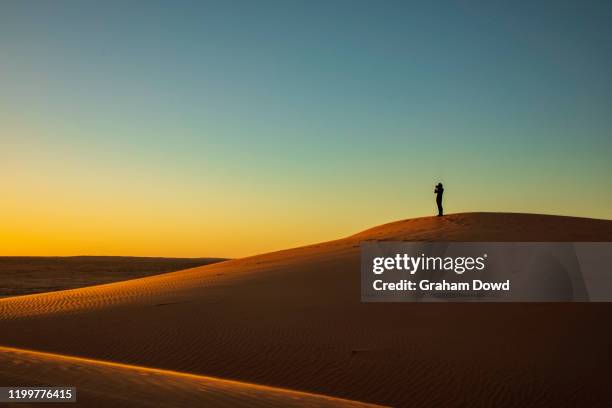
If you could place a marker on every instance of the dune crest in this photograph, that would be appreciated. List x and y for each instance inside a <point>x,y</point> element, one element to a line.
<point>102,383</point>
<point>161,289</point>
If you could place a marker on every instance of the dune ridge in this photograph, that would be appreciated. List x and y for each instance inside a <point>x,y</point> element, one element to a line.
<point>103,383</point>
<point>293,319</point>
<point>455,227</point>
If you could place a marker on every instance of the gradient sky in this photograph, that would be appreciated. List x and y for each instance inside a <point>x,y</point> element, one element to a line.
<point>231,128</point>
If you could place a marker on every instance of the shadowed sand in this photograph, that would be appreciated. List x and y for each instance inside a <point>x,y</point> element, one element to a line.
<point>21,275</point>
<point>109,384</point>
<point>293,319</point>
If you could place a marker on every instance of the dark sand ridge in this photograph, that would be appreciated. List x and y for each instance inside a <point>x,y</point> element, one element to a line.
<point>107,384</point>
<point>294,319</point>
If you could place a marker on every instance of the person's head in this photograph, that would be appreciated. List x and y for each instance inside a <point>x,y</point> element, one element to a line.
<point>439,185</point>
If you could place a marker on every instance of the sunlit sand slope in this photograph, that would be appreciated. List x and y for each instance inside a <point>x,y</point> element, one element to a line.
<point>106,384</point>
<point>293,319</point>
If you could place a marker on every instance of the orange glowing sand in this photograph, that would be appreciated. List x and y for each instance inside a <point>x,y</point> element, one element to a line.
<point>293,319</point>
<point>103,383</point>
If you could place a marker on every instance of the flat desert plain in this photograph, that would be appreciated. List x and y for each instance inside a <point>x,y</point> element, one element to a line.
<point>288,328</point>
<point>21,275</point>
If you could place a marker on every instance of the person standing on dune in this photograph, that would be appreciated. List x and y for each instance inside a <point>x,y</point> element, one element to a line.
<point>438,192</point>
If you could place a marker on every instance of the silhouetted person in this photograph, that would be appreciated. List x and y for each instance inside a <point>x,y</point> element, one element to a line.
<point>439,191</point>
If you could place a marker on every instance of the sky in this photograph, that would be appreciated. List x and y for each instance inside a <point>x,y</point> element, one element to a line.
<point>230,128</point>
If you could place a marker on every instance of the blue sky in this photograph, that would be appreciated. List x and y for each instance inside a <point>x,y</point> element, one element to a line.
<point>338,114</point>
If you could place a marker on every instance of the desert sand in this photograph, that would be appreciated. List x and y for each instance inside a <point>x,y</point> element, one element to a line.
<point>111,384</point>
<point>21,275</point>
<point>293,319</point>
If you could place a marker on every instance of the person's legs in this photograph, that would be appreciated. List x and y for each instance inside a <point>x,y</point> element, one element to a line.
<point>440,210</point>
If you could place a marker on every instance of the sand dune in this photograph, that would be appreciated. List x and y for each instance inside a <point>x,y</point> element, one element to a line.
<point>110,384</point>
<point>293,319</point>
<point>20,275</point>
